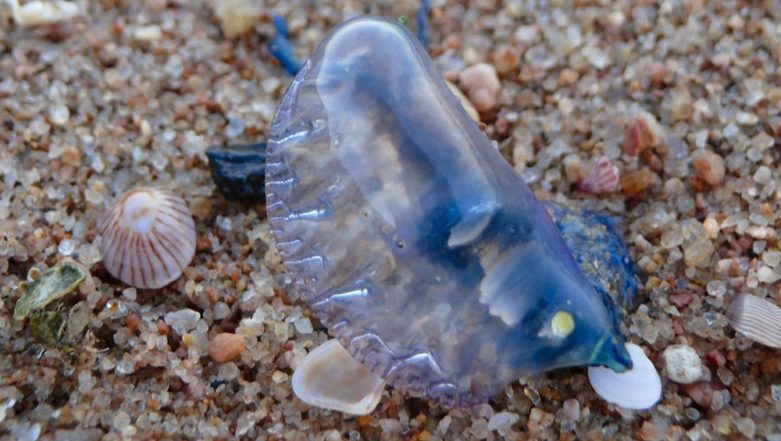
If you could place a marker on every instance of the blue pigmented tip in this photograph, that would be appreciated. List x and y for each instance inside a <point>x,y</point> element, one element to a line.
<point>280,47</point>
<point>420,22</point>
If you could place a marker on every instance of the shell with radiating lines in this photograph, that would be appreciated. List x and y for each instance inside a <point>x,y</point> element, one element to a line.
<point>148,238</point>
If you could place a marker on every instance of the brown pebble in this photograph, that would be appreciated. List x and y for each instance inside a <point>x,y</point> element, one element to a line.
<point>225,347</point>
<point>568,77</point>
<point>709,167</point>
<point>132,321</point>
<point>201,207</point>
<point>212,295</point>
<point>656,73</point>
<point>505,59</point>
<point>634,183</point>
<point>162,327</point>
<point>638,135</point>
<point>701,392</point>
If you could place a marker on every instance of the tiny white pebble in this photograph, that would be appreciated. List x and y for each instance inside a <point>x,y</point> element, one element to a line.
<point>683,364</point>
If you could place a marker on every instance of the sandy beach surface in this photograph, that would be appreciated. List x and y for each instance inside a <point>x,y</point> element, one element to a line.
<point>682,96</point>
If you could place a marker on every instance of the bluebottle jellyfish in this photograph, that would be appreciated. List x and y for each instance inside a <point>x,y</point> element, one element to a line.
<point>415,243</point>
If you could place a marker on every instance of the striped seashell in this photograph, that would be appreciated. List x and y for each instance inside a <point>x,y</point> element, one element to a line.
<point>757,319</point>
<point>148,238</point>
<point>603,177</point>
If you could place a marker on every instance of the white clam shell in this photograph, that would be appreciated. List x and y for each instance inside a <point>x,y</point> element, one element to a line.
<point>148,238</point>
<point>329,377</point>
<point>638,388</point>
<point>757,319</point>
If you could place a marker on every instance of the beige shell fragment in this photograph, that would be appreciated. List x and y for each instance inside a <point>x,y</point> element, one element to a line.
<point>329,377</point>
<point>148,238</point>
<point>36,12</point>
<point>638,388</point>
<point>757,319</point>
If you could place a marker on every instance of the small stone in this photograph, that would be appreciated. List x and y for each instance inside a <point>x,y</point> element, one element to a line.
<point>571,409</point>
<point>36,13</point>
<point>235,126</point>
<point>236,17</point>
<point>746,119</point>
<point>221,310</point>
<point>226,347</point>
<point>502,421</point>
<point>182,320</point>
<point>66,247</point>
<point>634,183</point>
<point>303,326</point>
<point>716,288</point>
<point>747,427</point>
<point>762,175</point>
<point>682,105</point>
<point>657,73</point>
<point>642,131</point>
<point>121,419</point>
<point>682,363</point>
<point>701,392</point>
<point>144,34</point>
<point>481,85</point>
<point>573,168</point>
<point>709,166</point>
<point>59,114</point>
<point>775,392</point>
<point>505,59</point>
<point>698,252</point>
<point>711,227</point>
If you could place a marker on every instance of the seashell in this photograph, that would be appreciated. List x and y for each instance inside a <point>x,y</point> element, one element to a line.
<point>603,177</point>
<point>148,238</point>
<point>757,319</point>
<point>638,388</point>
<point>409,235</point>
<point>48,287</point>
<point>329,377</point>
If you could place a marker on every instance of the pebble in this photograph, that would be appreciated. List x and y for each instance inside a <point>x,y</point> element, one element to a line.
<point>481,85</point>
<point>505,59</point>
<point>571,409</point>
<point>709,166</point>
<point>634,183</point>
<point>303,325</point>
<point>144,34</point>
<point>502,421</point>
<point>225,347</point>
<point>682,363</point>
<point>747,427</point>
<point>183,320</point>
<point>698,252</point>
<point>637,136</point>
<point>59,114</point>
<point>236,17</point>
<point>37,13</point>
<point>711,227</point>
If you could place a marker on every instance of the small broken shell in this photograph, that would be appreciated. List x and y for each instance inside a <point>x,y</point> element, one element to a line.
<point>329,377</point>
<point>757,319</point>
<point>148,238</point>
<point>603,177</point>
<point>638,388</point>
